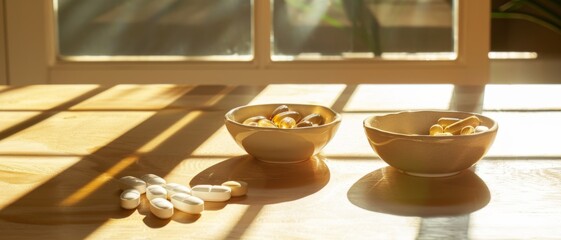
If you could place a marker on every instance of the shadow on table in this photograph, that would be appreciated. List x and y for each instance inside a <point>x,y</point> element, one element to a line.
<point>387,190</point>
<point>268,182</point>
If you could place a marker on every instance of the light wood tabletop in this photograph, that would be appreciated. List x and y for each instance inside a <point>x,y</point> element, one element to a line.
<point>63,147</point>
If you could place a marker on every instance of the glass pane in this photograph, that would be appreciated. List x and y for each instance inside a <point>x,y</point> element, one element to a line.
<point>383,29</point>
<point>153,29</point>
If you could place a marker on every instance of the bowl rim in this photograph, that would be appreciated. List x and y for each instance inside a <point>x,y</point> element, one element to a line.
<point>368,119</point>
<point>336,120</point>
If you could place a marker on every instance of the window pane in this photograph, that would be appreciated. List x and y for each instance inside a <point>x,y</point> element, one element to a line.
<point>171,29</point>
<point>385,29</point>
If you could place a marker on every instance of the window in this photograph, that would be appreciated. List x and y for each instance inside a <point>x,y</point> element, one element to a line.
<point>251,42</point>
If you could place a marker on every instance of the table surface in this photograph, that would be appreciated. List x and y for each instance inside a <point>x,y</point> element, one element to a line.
<point>62,147</point>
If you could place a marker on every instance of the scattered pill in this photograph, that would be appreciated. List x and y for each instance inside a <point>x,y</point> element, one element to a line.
<point>456,127</point>
<point>173,188</point>
<point>436,128</point>
<point>287,122</point>
<point>266,123</point>
<point>153,179</point>
<point>279,109</point>
<point>155,191</point>
<point>212,193</point>
<point>187,203</point>
<point>130,182</point>
<point>314,118</point>
<point>130,199</point>
<point>292,114</point>
<point>481,128</point>
<point>161,208</point>
<point>238,188</point>
<point>253,120</point>
<point>445,121</point>
<point>467,130</point>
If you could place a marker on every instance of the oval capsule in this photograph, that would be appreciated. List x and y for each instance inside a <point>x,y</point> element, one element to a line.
<point>292,114</point>
<point>445,121</point>
<point>187,203</point>
<point>130,182</point>
<point>254,119</point>
<point>212,193</point>
<point>279,109</point>
<point>153,179</point>
<point>161,208</point>
<point>467,130</point>
<point>314,118</point>
<point>481,128</point>
<point>173,188</point>
<point>130,199</point>
<point>238,188</point>
<point>287,122</point>
<point>436,128</point>
<point>304,124</point>
<point>456,127</point>
<point>155,191</point>
<point>266,123</point>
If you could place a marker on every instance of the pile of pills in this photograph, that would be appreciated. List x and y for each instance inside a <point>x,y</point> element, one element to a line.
<point>165,197</point>
<point>455,126</point>
<point>283,117</point>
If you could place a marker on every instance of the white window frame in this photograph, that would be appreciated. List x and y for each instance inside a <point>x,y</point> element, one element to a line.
<point>32,58</point>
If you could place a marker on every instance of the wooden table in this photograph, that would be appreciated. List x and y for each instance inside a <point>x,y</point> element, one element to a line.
<point>62,147</point>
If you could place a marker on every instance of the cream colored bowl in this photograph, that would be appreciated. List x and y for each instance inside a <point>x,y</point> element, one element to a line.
<point>276,145</point>
<point>401,140</point>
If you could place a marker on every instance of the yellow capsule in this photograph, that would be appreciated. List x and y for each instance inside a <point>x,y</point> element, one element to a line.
<point>287,122</point>
<point>434,129</point>
<point>266,123</point>
<point>314,118</point>
<point>443,134</point>
<point>292,114</point>
<point>254,119</point>
<point>445,121</point>
<point>304,124</point>
<point>456,127</point>
<point>467,130</point>
<point>279,109</point>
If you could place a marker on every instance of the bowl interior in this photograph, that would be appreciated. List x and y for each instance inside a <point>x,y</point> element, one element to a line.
<point>239,114</point>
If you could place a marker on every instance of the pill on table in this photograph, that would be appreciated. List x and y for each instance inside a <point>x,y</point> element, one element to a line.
<point>292,114</point>
<point>173,188</point>
<point>436,128</point>
<point>130,182</point>
<point>279,109</point>
<point>238,188</point>
<point>314,118</point>
<point>445,121</point>
<point>130,199</point>
<point>443,134</point>
<point>456,127</point>
<point>155,191</point>
<point>304,124</point>
<point>253,120</point>
<point>467,130</point>
<point>266,123</point>
<point>153,179</point>
<point>187,203</point>
<point>287,122</point>
<point>212,193</point>
<point>481,128</point>
<point>161,208</point>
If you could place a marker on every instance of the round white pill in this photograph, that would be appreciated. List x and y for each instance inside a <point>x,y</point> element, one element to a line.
<point>153,179</point>
<point>155,191</point>
<point>130,199</point>
<point>161,208</point>
<point>239,188</point>
<point>187,203</point>
<point>481,128</point>
<point>212,193</point>
<point>128,182</point>
<point>174,188</point>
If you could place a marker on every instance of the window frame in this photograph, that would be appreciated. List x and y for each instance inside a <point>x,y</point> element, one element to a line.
<point>32,57</point>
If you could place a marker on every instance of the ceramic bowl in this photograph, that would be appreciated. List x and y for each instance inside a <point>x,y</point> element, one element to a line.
<point>401,139</point>
<point>278,145</point>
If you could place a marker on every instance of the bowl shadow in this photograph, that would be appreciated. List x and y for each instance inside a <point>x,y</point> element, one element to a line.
<point>268,183</point>
<point>387,190</point>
